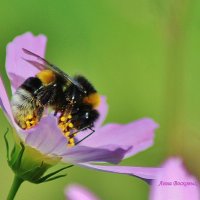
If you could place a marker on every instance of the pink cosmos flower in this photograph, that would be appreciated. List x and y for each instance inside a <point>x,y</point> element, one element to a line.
<point>110,143</point>
<point>172,183</point>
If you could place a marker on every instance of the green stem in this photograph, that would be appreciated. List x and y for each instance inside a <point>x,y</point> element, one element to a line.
<point>14,188</point>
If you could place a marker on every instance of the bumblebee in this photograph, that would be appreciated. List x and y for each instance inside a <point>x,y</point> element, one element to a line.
<point>73,100</point>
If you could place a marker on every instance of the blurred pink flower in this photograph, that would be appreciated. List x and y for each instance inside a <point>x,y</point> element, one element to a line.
<point>110,143</point>
<point>173,182</point>
<point>78,192</point>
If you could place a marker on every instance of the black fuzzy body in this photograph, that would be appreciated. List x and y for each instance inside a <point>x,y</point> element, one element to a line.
<point>61,98</point>
<point>83,114</point>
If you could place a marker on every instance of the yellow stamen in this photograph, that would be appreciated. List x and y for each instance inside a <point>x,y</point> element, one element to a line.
<point>66,126</point>
<point>33,122</point>
<point>28,125</point>
<point>30,121</point>
<point>29,117</point>
<point>62,126</point>
<point>69,117</point>
<point>70,125</point>
<point>70,145</point>
<point>63,119</point>
<point>23,126</point>
<point>67,133</point>
<point>71,142</point>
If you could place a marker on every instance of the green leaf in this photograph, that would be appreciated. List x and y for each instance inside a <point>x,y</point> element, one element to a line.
<point>49,176</point>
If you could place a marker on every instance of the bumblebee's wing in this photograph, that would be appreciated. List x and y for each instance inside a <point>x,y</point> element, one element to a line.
<point>52,67</point>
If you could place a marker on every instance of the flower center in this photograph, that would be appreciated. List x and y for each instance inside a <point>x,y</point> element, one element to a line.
<point>30,121</point>
<point>66,126</point>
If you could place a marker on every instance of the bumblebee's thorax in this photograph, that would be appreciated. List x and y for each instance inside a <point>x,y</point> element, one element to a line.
<point>46,76</point>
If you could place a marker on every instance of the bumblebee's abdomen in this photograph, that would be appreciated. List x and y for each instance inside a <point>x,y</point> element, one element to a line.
<point>92,97</point>
<point>26,110</point>
<point>84,115</point>
<point>88,87</point>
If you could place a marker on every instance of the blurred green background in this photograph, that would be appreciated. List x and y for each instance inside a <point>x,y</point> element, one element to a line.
<point>143,55</point>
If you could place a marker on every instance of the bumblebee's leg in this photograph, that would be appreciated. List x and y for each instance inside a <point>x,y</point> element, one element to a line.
<point>55,113</point>
<point>71,137</point>
<point>92,131</point>
<point>70,141</point>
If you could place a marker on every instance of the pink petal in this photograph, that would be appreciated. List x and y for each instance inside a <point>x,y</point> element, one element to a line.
<point>166,185</point>
<point>77,192</point>
<point>48,139</point>
<point>103,110</point>
<point>147,173</point>
<point>18,69</point>
<point>4,102</point>
<point>139,134</point>
<point>83,154</point>
<point>46,136</point>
